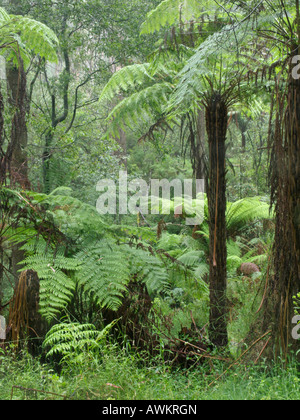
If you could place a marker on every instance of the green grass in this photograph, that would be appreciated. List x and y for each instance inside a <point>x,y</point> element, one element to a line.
<point>118,376</point>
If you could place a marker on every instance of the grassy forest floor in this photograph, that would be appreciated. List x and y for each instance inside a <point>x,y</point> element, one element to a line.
<point>122,377</point>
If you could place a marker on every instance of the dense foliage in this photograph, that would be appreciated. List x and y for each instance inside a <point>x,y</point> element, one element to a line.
<point>159,90</point>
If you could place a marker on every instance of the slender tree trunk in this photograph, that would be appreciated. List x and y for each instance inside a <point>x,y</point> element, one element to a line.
<point>56,120</point>
<point>216,122</point>
<point>200,151</point>
<point>3,164</point>
<point>47,154</point>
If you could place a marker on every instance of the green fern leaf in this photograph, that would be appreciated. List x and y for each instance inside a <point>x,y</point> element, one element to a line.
<point>127,78</point>
<point>36,36</point>
<point>70,340</point>
<point>244,211</point>
<point>170,12</point>
<point>140,106</point>
<point>20,36</point>
<point>4,16</point>
<point>106,273</point>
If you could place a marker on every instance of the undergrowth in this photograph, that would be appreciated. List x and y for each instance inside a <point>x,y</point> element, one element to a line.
<point>117,375</point>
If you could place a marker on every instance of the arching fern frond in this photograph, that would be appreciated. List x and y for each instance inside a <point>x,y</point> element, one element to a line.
<point>36,36</point>
<point>4,16</point>
<point>170,12</point>
<point>20,36</point>
<point>106,273</point>
<point>68,339</point>
<point>56,287</point>
<point>244,211</point>
<point>150,269</point>
<point>127,78</point>
<point>71,340</point>
<point>140,106</point>
<point>72,215</point>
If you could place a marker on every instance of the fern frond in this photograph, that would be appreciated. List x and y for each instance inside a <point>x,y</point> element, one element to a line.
<point>170,12</point>
<point>150,270</point>
<point>4,16</point>
<point>244,211</point>
<point>20,36</point>
<point>191,258</point>
<point>106,273</point>
<point>56,287</point>
<point>68,339</point>
<point>72,215</point>
<point>127,78</point>
<point>36,36</point>
<point>141,106</point>
<point>200,271</point>
<point>73,339</point>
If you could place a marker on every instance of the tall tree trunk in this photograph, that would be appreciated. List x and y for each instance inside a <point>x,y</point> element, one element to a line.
<point>3,163</point>
<point>286,194</point>
<point>216,123</point>
<point>1,274</point>
<point>16,81</point>
<point>56,120</point>
<point>16,154</point>
<point>2,181</point>
<point>17,148</point>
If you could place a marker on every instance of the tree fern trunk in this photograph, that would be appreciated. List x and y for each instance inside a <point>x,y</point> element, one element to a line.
<point>216,122</point>
<point>286,194</point>
<point>1,276</point>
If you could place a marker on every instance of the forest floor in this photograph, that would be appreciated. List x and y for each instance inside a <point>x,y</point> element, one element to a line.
<point>122,377</point>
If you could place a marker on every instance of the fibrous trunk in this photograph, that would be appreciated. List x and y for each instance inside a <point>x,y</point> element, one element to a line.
<point>285,283</point>
<point>216,122</point>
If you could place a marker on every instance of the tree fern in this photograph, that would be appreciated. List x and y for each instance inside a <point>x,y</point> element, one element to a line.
<point>20,36</point>
<point>216,64</point>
